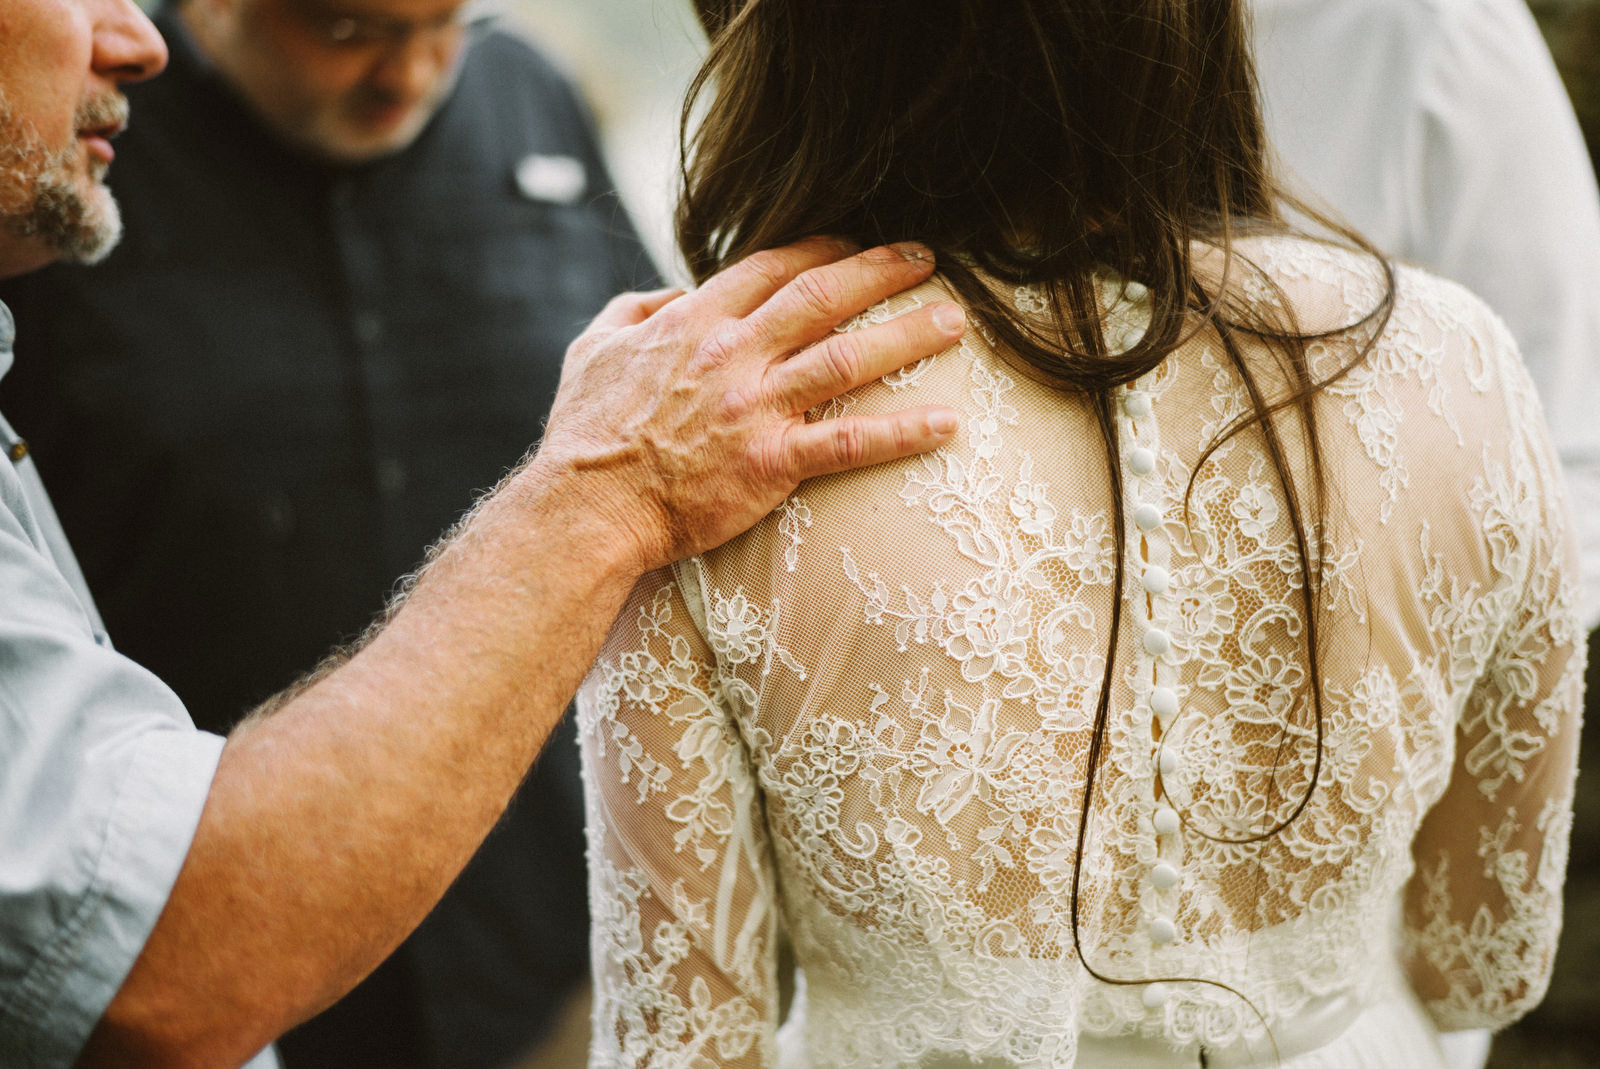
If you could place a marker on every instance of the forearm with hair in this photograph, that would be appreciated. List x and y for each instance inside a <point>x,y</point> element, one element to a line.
<point>343,810</point>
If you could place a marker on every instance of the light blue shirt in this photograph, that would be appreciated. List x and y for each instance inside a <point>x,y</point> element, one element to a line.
<point>102,779</point>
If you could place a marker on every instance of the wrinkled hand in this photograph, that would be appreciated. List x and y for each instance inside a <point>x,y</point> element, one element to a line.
<point>683,415</point>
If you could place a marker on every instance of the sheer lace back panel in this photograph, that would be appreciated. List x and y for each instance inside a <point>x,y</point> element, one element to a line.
<point>867,720</point>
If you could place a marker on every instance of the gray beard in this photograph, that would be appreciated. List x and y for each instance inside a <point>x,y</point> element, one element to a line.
<point>40,196</point>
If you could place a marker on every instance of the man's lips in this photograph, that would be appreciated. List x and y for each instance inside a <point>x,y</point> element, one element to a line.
<point>98,141</point>
<point>387,113</point>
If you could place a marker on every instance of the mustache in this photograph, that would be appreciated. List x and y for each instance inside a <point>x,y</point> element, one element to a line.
<point>105,109</point>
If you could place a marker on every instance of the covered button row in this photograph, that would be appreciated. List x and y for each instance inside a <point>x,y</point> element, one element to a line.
<point>1163,700</point>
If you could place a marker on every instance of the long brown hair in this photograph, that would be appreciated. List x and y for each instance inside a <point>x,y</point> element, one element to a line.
<point>1038,142</point>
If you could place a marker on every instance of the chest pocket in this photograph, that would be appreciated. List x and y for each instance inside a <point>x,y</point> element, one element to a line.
<point>508,255</point>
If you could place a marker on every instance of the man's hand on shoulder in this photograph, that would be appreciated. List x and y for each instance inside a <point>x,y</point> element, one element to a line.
<point>681,418</point>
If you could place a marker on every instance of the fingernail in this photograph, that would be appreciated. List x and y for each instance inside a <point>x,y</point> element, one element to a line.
<point>914,251</point>
<point>942,422</point>
<point>949,318</point>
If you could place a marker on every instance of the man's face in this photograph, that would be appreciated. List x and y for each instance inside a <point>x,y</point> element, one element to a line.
<point>346,80</point>
<point>60,64</point>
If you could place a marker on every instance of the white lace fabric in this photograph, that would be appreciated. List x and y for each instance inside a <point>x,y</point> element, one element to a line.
<point>867,721</point>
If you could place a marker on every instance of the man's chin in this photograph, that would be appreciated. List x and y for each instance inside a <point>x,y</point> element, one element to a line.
<point>350,140</point>
<point>102,236</point>
<point>68,223</point>
<point>82,226</point>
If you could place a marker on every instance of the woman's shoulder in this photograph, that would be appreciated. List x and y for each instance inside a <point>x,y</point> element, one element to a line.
<point>1325,280</point>
<point>1331,287</point>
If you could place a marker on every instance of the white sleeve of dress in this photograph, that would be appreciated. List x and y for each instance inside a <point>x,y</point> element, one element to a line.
<point>680,876</point>
<point>1505,202</point>
<point>1483,907</point>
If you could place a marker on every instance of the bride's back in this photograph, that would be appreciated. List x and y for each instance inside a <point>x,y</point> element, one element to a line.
<point>911,658</point>
<point>877,714</point>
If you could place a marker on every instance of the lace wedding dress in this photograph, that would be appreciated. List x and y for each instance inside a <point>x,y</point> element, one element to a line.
<point>865,724</point>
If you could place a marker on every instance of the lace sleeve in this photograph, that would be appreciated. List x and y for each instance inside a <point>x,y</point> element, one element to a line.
<point>1483,907</point>
<point>680,876</point>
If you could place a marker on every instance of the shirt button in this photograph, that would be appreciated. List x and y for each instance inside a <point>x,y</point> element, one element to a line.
<point>1157,642</point>
<point>1163,931</point>
<point>278,517</point>
<point>17,451</point>
<point>392,477</point>
<point>1141,461</point>
<point>1166,820</point>
<point>1156,579</point>
<point>1164,702</point>
<point>1155,996</point>
<point>1136,404</point>
<point>1164,876</point>
<point>1147,517</point>
<point>369,328</point>
<point>1168,762</point>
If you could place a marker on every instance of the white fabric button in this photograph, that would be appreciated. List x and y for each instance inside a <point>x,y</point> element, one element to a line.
<point>1155,996</point>
<point>1156,579</point>
<point>1136,404</point>
<point>1164,876</point>
<point>1162,931</point>
<point>1164,702</point>
<point>1166,820</point>
<point>1157,642</point>
<point>1147,517</point>
<point>1169,762</point>
<point>1141,461</point>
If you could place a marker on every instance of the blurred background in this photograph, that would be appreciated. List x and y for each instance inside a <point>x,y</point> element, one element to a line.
<point>635,57</point>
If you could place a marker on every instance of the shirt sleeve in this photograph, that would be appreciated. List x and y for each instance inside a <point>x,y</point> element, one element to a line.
<point>1503,200</point>
<point>102,781</point>
<point>1483,907</point>
<point>681,885</point>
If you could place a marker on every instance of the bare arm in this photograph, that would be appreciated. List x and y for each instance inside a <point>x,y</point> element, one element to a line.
<point>335,823</point>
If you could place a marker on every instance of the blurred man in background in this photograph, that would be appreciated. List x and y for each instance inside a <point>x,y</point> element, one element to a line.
<point>361,234</point>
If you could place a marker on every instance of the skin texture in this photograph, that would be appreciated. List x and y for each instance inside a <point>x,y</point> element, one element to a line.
<point>343,100</point>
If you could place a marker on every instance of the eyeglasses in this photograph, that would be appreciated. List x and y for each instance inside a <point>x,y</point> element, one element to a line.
<point>354,31</point>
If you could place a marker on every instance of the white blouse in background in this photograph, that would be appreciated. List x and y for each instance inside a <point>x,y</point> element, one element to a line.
<point>1441,130</point>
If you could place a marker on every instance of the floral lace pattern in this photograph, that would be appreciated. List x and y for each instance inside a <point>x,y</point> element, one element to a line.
<point>868,721</point>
